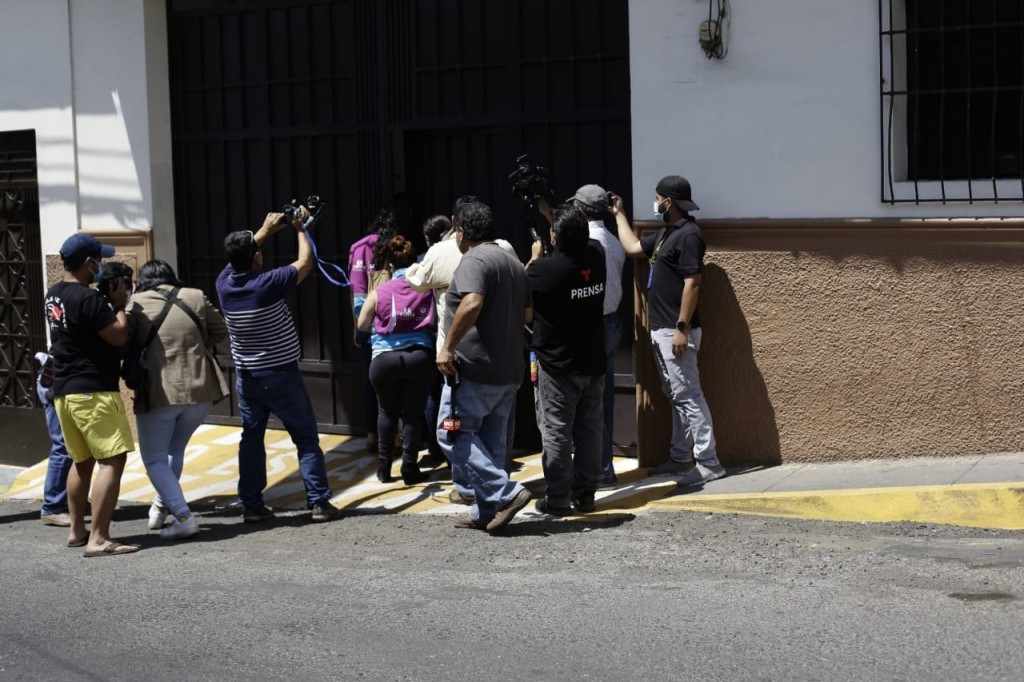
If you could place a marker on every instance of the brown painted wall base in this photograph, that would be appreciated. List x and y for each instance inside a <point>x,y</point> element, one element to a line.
<point>841,340</point>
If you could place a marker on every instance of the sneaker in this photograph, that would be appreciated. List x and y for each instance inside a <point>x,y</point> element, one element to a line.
<point>180,528</point>
<point>544,506</point>
<point>157,517</point>
<point>467,522</point>
<point>455,497</point>
<point>508,512</point>
<point>62,520</point>
<point>702,473</point>
<point>671,468</point>
<point>584,503</point>
<point>325,511</point>
<point>257,515</point>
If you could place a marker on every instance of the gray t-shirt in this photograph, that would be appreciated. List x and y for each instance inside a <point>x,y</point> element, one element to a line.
<point>492,351</point>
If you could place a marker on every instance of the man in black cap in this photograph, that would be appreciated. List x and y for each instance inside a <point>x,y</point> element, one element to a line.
<point>676,255</point>
<point>86,333</point>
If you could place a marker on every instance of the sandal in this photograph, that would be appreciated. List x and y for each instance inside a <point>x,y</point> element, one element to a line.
<point>112,549</point>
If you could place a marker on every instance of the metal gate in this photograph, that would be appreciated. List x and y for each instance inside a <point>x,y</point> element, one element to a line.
<point>22,331</point>
<point>370,103</point>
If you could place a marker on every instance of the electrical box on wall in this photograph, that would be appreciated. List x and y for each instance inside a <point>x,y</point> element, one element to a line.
<point>710,36</point>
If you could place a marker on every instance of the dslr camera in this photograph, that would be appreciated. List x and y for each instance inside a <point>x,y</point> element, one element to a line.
<point>314,204</point>
<point>112,273</point>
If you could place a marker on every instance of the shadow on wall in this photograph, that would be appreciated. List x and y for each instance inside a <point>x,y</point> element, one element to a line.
<point>743,415</point>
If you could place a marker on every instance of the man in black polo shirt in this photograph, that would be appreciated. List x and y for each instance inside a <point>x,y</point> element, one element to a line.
<point>676,255</point>
<point>568,338</point>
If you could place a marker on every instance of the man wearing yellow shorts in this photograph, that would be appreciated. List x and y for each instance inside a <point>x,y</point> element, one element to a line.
<point>86,331</point>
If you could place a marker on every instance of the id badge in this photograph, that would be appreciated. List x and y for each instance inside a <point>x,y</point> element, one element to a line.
<point>650,278</point>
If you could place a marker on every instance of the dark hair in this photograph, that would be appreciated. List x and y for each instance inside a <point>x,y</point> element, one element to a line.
<point>154,273</point>
<point>399,252</point>
<point>435,227</point>
<point>570,226</point>
<point>476,220</point>
<point>384,224</point>
<point>240,248</point>
<point>112,272</point>
<point>73,264</point>
<point>464,200</point>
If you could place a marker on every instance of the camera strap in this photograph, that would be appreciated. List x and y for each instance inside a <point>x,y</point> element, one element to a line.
<point>324,265</point>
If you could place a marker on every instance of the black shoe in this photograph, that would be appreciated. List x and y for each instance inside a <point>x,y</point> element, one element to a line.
<point>411,474</point>
<point>384,472</point>
<point>584,503</point>
<point>325,511</point>
<point>544,506</point>
<point>257,515</point>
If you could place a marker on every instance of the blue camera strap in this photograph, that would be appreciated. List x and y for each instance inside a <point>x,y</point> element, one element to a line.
<point>324,265</point>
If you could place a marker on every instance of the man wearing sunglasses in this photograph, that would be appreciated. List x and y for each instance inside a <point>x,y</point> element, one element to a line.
<point>265,349</point>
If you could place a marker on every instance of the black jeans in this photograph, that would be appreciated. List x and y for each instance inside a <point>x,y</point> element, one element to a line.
<point>403,379</point>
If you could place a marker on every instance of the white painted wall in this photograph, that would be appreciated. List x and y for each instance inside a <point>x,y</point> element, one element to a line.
<point>35,93</point>
<point>91,78</point>
<point>787,126</point>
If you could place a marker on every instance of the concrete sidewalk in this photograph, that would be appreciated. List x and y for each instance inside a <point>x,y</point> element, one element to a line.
<point>985,491</point>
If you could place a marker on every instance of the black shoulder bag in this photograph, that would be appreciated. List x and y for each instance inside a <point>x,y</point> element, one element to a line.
<point>135,368</point>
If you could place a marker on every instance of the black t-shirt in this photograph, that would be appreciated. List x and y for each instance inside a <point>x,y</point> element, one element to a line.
<point>82,361</point>
<point>568,310</point>
<point>681,255</point>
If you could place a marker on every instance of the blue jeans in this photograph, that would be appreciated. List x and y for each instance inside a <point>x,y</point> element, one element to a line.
<point>479,449</point>
<point>693,434</point>
<point>55,489</point>
<point>284,394</point>
<point>163,435</point>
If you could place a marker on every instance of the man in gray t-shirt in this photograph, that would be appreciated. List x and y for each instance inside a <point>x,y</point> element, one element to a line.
<point>482,360</point>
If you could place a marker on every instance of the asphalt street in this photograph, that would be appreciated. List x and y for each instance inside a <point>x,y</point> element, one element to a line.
<point>656,596</point>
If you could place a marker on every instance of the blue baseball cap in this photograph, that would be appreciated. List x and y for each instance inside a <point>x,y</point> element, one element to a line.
<point>80,246</point>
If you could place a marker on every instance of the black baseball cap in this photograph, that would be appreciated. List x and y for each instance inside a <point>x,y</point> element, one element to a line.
<point>678,188</point>
<point>80,246</point>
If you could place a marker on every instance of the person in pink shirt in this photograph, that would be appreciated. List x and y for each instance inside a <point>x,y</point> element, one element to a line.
<point>367,270</point>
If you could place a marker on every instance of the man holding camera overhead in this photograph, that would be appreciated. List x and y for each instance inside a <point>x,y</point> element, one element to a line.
<point>265,349</point>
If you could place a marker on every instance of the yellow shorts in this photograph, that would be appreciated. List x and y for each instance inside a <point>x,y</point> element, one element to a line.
<point>95,425</point>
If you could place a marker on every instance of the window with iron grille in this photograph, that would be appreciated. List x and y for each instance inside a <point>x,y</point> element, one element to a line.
<point>952,86</point>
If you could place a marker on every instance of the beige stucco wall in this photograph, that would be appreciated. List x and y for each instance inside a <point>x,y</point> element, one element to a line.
<point>828,355</point>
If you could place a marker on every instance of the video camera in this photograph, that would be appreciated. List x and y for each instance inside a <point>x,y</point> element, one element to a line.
<point>530,183</point>
<point>314,204</point>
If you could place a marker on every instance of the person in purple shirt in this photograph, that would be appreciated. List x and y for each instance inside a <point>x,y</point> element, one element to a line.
<point>366,270</point>
<point>265,349</point>
<point>402,370</point>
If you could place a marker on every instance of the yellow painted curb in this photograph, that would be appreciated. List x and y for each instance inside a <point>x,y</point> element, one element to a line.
<point>976,505</point>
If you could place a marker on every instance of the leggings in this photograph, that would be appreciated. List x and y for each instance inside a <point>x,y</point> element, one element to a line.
<point>403,379</point>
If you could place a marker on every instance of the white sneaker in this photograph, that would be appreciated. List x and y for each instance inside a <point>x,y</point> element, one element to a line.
<point>702,473</point>
<point>157,517</point>
<point>180,529</point>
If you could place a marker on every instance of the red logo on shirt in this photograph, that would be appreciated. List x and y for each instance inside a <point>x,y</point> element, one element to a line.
<point>586,274</point>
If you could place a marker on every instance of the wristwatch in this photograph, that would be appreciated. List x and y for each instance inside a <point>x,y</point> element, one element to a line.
<point>682,326</point>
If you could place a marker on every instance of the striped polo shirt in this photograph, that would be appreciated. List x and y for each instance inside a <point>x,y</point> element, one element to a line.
<point>263,334</point>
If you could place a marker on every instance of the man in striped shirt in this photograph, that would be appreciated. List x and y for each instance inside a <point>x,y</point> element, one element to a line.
<point>265,348</point>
